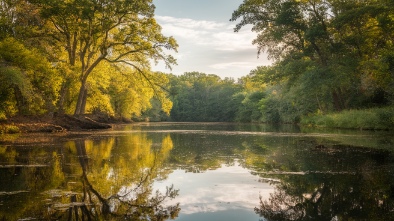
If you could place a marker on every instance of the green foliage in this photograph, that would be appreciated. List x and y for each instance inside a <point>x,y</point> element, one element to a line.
<point>329,56</point>
<point>28,79</point>
<point>73,56</point>
<point>155,112</point>
<point>133,96</point>
<point>88,33</point>
<point>19,19</point>
<point>87,54</point>
<point>68,92</point>
<point>3,116</point>
<point>201,97</point>
<point>368,119</point>
<point>12,80</point>
<point>249,107</point>
<point>9,129</point>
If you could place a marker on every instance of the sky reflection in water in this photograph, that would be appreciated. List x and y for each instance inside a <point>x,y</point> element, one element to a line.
<point>224,193</point>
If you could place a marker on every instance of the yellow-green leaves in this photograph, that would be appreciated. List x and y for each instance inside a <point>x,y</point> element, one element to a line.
<point>28,77</point>
<point>123,33</point>
<point>68,56</point>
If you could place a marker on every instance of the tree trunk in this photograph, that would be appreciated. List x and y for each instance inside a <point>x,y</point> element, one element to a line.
<point>81,102</point>
<point>84,98</point>
<point>82,155</point>
<point>20,100</point>
<point>80,107</point>
<point>62,98</point>
<point>337,100</point>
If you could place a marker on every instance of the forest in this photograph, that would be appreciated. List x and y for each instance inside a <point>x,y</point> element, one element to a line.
<point>333,64</point>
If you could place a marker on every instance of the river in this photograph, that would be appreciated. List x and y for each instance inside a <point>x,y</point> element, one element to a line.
<point>198,171</point>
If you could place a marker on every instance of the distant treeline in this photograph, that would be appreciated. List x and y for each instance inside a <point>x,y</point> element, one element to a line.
<point>208,98</point>
<point>201,97</point>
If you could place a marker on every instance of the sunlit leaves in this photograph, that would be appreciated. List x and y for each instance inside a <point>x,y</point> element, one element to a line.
<point>29,76</point>
<point>123,33</point>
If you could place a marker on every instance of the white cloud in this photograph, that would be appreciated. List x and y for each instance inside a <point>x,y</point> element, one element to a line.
<point>230,41</point>
<point>211,47</point>
<point>221,197</point>
<point>226,188</point>
<point>218,35</point>
<point>248,65</point>
<point>189,23</point>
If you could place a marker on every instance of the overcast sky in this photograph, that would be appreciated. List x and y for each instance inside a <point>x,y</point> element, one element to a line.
<point>206,38</point>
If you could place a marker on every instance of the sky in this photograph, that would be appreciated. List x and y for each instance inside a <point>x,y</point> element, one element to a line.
<point>206,38</point>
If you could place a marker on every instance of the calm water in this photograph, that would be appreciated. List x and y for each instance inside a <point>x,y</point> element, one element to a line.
<point>212,171</point>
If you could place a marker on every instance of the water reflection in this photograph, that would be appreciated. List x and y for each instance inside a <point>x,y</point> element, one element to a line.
<point>331,183</point>
<point>229,191</point>
<point>328,197</point>
<point>315,177</point>
<point>219,169</point>
<point>87,179</point>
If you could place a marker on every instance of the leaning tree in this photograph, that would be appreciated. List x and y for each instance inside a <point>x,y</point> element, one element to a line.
<point>122,32</point>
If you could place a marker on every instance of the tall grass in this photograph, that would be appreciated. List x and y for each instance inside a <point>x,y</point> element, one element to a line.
<point>368,119</point>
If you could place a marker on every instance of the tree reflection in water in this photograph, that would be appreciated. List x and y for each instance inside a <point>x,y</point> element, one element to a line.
<point>110,179</point>
<point>364,193</point>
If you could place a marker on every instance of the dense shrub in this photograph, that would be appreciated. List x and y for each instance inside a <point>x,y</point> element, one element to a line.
<point>372,119</point>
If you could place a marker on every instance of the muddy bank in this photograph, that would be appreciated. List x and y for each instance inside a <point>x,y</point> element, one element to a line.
<point>55,124</point>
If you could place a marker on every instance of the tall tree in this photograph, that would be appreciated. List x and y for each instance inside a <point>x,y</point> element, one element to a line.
<point>339,48</point>
<point>121,32</point>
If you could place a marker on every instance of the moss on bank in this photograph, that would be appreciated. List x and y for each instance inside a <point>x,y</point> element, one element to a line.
<point>367,119</point>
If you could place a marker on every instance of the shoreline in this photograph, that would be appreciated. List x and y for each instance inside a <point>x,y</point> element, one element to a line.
<point>55,124</point>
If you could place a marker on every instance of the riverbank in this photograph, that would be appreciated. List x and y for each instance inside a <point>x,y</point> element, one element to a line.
<point>367,119</point>
<point>54,124</point>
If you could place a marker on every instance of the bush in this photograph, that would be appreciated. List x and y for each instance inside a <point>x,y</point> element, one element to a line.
<point>3,117</point>
<point>9,129</point>
<point>372,119</point>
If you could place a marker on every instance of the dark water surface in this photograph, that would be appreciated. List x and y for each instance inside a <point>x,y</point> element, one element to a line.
<point>198,171</point>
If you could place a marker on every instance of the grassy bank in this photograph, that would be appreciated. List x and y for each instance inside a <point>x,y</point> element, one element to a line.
<point>368,119</point>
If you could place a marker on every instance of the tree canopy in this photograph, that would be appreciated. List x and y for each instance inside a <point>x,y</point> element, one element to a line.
<point>329,55</point>
<point>84,43</point>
